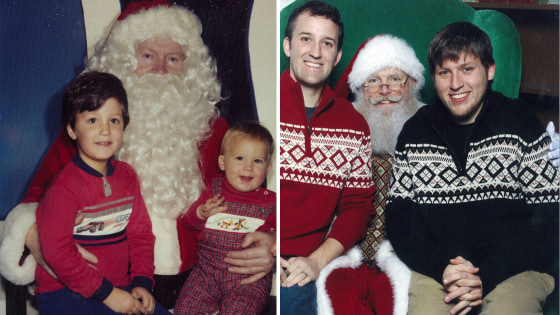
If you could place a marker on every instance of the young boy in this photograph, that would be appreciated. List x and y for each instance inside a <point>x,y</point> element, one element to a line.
<point>235,205</point>
<point>115,227</point>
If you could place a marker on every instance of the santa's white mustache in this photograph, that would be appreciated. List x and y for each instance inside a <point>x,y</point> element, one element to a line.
<point>390,98</point>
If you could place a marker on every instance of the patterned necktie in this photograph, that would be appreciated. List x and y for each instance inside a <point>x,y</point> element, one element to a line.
<point>382,165</point>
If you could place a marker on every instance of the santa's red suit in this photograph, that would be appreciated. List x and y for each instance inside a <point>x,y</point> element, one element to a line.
<point>377,284</point>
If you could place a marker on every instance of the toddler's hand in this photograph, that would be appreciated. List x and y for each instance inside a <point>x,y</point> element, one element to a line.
<point>211,207</point>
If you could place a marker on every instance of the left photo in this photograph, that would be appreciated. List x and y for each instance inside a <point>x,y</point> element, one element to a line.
<point>138,168</point>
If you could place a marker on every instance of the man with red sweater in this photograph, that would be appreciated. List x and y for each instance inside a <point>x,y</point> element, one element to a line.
<point>325,162</point>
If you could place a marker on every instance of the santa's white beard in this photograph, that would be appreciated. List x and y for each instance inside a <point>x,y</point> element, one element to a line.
<point>167,122</point>
<point>386,122</point>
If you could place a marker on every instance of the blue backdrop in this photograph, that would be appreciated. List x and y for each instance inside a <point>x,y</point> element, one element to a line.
<point>42,48</point>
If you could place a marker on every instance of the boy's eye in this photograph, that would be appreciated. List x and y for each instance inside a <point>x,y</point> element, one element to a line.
<point>239,158</point>
<point>115,121</point>
<point>259,161</point>
<point>92,120</point>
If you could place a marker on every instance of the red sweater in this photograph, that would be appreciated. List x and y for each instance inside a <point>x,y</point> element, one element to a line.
<point>116,229</point>
<point>62,151</point>
<point>325,171</point>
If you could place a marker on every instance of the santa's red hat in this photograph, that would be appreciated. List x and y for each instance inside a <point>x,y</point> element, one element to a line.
<point>378,53</point>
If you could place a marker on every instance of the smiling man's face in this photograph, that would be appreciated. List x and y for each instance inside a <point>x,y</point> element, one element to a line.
<point>461,86</point>
<point>313,50</point>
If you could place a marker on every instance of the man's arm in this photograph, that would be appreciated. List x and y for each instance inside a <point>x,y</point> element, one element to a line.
<point>355,205</point>
<point>406,224</point>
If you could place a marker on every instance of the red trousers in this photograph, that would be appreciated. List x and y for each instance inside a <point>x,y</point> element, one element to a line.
<point>360,291</point>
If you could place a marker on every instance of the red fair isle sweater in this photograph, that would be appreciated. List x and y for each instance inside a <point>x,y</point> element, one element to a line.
<point>116,229</point>
<point>325,171</point>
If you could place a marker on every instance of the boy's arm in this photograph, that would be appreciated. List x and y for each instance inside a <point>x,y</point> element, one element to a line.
<point>55,224</point>
<point>141,241</point>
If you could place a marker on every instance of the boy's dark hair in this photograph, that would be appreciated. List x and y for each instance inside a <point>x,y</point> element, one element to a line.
<point>250,130</point>
<point>316,8</point>
<point>89,92</point>
<point>458,38</point>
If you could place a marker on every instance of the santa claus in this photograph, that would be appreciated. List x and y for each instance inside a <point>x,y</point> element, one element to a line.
<point>173,142</point>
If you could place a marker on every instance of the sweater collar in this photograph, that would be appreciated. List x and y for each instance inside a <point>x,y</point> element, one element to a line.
<point>77,160</point>
<point>327,95</point>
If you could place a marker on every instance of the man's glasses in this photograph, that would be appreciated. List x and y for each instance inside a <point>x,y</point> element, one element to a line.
<point>395,84</point>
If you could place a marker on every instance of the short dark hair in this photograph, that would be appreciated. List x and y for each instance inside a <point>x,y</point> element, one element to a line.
<point>456,39</point>
<point>253,130</point>
<point>90,91</point>
<point>316,8</point>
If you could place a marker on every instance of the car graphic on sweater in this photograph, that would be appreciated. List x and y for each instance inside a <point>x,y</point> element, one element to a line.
<point>91,227</point>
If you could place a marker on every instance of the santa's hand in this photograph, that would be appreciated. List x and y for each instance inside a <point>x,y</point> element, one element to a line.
<point>89,257</point>
<point>554,151</point>
<point>257,261</point>
<point>32,242</point>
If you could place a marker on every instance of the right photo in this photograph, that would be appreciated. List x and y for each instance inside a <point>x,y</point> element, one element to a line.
<point>418,159</point>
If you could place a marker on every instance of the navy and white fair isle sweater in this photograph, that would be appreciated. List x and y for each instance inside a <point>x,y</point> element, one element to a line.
<point>494,201</point>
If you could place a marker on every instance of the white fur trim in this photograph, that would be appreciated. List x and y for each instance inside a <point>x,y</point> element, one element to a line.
<point>398,274</point>
<point>352,259</point>
<point>381,52</point>
<point>12,243</point>
<point>173,22</point>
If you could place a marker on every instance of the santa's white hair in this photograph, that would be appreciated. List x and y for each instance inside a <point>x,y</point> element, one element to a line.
<point>169,114</point>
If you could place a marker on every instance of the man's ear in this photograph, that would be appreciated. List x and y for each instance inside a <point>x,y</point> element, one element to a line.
<point>286,46</point>
<point>70,132</point>
<point>338,55</point>
<point>222,162</point>
<point>491,71</point>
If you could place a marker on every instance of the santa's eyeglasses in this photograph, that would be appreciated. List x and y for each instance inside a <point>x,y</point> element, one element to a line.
<point>395,83</point>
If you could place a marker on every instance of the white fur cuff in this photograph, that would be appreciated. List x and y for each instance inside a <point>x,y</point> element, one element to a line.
<point>398,274</point>
<point>12,243</point>
<point>352,259</point>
